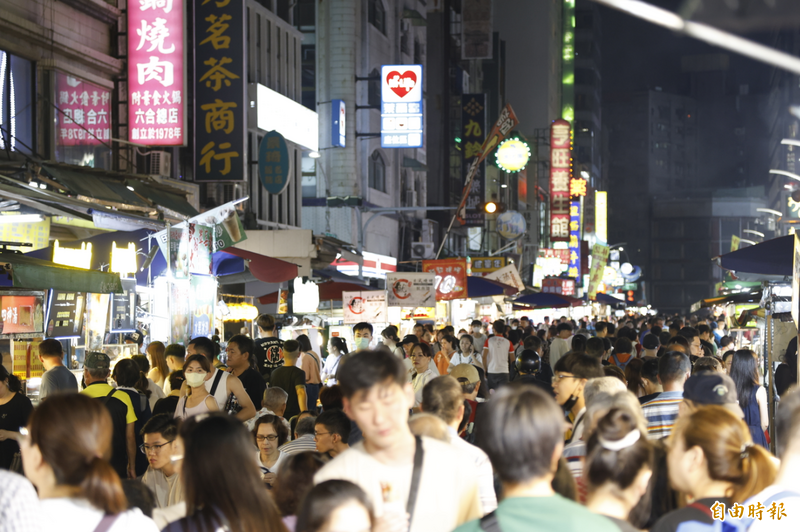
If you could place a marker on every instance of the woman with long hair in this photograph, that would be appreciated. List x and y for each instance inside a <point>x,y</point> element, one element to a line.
<point>196,371</point>
<point>618,467</point>
<point>222,493</point>
<point>295,479</point>
<point>752,396</point>
<point>133,382</point>
<point>269,434</point>
<point>391,341</point>
<point>633,376</point>
<point>337,348</point>
<point>335,505</point>
<point>309,362</point>
<point>712,459</point>
<point>65,453</point>
<point>158,363</point>
<point>786,373</point>
<point>15,409</point>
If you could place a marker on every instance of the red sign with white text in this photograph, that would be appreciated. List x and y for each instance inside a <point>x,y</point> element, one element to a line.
<point>85,117</point>
<point>156,88</point>
<point>560,174</point>
<point>451,277</point>
<point>564,287</point>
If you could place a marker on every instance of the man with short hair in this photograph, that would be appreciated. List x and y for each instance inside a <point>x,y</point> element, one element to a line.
<point>274,404</point>
<point>675,328</point>
<point>623,353</point>
<point>650,345</point>
<point>362,334</point>
<point>650,380</point>
<point>291,379</point>
<point>442,397</point>
<point>205,346</point>
<point>534,343</point>
<point>561,344</point>
<point>469,379</point>
<point>478,338</point>
<point>378,398</point>
<point>96,369</point>
<point>242,361</point>
<point>693,337</point>
<point>160,435</point>
<point>525,322</point>
<point>269,348</point>
<point>303,435</point>
<point>498,353</point>
<point>56,377</point>
<point>522,435</point>
<point>175,355</point>
<point>596,347</point>
<point>707,337</point>
<point>674,368</point>
<point>601,329</point>
<point>571,374</point>
<point>332,432</point>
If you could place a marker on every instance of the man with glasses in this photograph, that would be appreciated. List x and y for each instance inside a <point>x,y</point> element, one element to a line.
<point>332,432</point>
<point>160,434</point>
<point>570,375</point>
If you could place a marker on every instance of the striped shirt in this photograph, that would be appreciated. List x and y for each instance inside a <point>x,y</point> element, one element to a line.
<point>661,413</point>
<point>302,444</point>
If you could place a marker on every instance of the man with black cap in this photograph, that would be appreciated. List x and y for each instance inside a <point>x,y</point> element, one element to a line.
<point>528,365</point>
<point>650,345</point>
<point>709,388</point>
<point>135,337</point>
<point>96,369</point>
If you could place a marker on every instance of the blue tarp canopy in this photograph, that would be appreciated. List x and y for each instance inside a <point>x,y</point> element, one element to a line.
<point>773,257</point>
<point>609,300</point>
<point>482,287</point>
<point>547,300</point>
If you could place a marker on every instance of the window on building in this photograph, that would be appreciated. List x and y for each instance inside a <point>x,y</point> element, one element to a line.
<point>309,75</point>
<point>663,112</point>
<point>405,41</point>
<point>304,14</point>
<point>374,88</point>
<point>16,103</point>
<point>377,172</point>
<point>284,10</point>
<point>377,15</point>
<point>417,52</point>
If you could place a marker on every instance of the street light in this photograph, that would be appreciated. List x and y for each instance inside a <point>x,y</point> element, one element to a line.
<point>769,211</point>
<point>748,241</point>
<point>791,142</point>
<point>785,173</point>
<point>753,232</point>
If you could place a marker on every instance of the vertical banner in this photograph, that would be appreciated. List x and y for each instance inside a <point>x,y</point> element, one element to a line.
<point>156,66</point>
<point>220,91</point>
<point>601,216</point>
<point>451,277</point>
<point>473,129</point>
<point>735,241</point>
<point>180,314</point>
<point>599,260</point>
<point>85,118</point>
<point>409,289</point>
<point>574,268</point>
<point>203,293</point>
<point>401,106</point>
<point>560,173</point>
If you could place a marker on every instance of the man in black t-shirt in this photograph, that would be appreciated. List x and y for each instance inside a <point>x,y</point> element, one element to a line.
<point>291,380</point>
<point>241,361</point>
<point>268,348</point>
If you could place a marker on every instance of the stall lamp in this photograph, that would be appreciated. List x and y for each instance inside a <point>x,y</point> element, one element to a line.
<point>769,211</point>
<point>784,173</point>
<point>753,232</point>
<point>791,142</point>
<point>748,241</point>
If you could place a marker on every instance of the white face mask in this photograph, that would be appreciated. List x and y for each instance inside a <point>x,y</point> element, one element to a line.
<point>476,330</point>
<point>513,327</point>
<point>362,343</point>
<point>195,380</point>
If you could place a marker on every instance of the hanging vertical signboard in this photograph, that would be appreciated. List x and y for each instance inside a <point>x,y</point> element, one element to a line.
<point>473,130</point>
<point>560,173</point>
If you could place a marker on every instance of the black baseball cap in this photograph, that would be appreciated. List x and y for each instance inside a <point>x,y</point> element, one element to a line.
<point>713,389</point>
<point>651,341</point>
<point>410,339</point>
<point>136,337</point>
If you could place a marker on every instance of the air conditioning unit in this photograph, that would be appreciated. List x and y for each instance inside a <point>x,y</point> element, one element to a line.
<point>160,163</point>
<point>422,250</point>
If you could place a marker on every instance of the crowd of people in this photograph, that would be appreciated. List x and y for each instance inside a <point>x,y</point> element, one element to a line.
<point>597,425</point>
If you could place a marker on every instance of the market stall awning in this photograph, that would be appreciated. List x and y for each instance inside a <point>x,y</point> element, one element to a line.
<point>482,287</point>
<point>339,276</point>
<point>606,299</point>
<point>266,269</point>
<point>773,257</point>
<point>744,297</point>
<point>546,300</point>
<point>33,273</point>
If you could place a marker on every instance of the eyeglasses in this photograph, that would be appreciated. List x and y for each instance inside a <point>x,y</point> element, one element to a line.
<point>154,448</point>
<point>318,434</point>
<point>557,378</point>
<point>271,437</point>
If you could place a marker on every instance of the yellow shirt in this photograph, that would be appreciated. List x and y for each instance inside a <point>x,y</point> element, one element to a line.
<point>101,389</point>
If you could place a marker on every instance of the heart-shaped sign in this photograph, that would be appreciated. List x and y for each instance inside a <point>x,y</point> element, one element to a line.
<point>401,84</point>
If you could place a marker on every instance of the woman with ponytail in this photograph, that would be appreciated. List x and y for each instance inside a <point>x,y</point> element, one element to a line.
<point>711,459</point>
<point>131,380</point>
<point>619,464</point>
<point>15,409</point>
<point>65,451</point>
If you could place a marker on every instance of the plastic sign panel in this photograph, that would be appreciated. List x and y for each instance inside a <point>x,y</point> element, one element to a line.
<point>508,275</point>
<point>512,155</point>
<point>75,257</point>
<point>273,163</point>
<point>574,268</point>
<point>156,66</point>
<point>564,287</point>
<point>65,314</point>
<point>85,117</point>
<point>203,294</point>
<point>511,225</point>
<point>560,174</point>
<point>296,122</point>
<point>21,314</point>
<point>368,306</point>
<point>451,277</point>
<point>601,216</point>
<point>220,104</point>
<point>401,106</point>
<point>407,289</point>
<point>338,124</point>
<point>487,264</point>
<point>473,131</point>
<point>123,308</point>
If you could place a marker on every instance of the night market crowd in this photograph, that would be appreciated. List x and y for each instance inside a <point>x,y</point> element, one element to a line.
<point>620,425</point>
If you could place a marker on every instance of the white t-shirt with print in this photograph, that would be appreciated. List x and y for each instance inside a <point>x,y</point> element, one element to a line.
<point>497,355</point>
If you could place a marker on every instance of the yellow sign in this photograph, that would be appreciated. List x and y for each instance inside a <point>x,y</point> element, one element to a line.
<point>77,258</point>
<point>512,155</point>
<point>123,260</point>
<point>735,240</point>
<point>601,215</point>
<point>37,233</point>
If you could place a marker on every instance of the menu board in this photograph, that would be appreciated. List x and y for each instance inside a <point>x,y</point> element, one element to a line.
<point>123,308</point>
<point>20,314</point>
<point>65,314</point>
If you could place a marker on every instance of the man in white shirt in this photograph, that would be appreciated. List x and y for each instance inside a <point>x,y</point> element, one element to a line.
<point>498,353</point>
<point>444,398</point>
<point>160,435</point>
<point>561,344</point>
<point>387,461</point>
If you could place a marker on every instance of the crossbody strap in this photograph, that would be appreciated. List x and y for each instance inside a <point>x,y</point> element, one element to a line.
<point>415,479</point>
<point>703,508</point>
<point>217,378</point>
<point>106,522</point>
<point>489,523</point>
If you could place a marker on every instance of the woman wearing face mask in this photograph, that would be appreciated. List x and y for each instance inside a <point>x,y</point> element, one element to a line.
<point>196,371</point>
<point>337,347</point>
<point>422,358</point>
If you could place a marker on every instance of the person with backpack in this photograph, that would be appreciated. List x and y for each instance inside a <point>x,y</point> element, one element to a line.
<point>623,353</point>
<point>131,380</point>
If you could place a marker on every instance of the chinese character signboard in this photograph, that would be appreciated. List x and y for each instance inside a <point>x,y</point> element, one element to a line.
<point>484,265</point>
<point>601,215</point>
<point>36,233</point>
<point>156,84</point>
<point>219,91</point>
<point>564,287</point>
<point>473,131</point>
<point>273,162</point>
<point>574,268</point>
<point>408,289</point>
<point>560,174</point>
<point>476,29</point>
<point>599,260</point>
<point>369,306</point>
<point>22,313</point>
<point>561,254</point>
<point>85,117</point>
<point>401,106</point>
<point>65,314</point>
<point>508,275</point>
<point>451,277</point>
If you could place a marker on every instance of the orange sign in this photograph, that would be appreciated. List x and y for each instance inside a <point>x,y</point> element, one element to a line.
<point>451,277</point>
